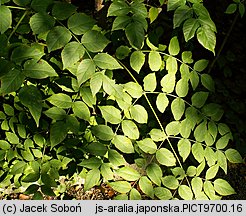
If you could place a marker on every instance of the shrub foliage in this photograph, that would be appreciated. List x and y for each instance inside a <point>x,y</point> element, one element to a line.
<point>123,103</point>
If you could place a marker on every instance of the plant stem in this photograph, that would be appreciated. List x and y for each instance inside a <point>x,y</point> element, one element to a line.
<point>14,7</point>
<point>17,25</point>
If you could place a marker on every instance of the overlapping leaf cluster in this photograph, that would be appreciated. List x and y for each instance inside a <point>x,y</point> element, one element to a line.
<point>65,111</point>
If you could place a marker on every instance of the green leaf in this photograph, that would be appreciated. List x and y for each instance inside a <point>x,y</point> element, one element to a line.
<point>222,160</point>
<point>241,9</point>
<point>135,34</point>
<point>73,124</point>
<point>174,4</point>
<point>123,143</point>
<point>162,193</point>
<point>111,88</point>
<point>153,13</point>
<point>80,23</point>
<point>154,172</point>
<point>92,178</point>
<point>154,61</point>
<point>91,163</point>
<point>12,81</point>
<point>207,82</point>
<point>33,188</point>
<point>55,113</point>
<point>21,2</point>
<point>162,102</point>
<point>170,182</point>
<point>9,110</point>
<point>41,6</point>
<point>190,27</point>
<point>200,167</point>
<point>233,156</point>
<point>111,114</point>
<point>194,79</point>
<point>231,8</point>
<point>121,186</point>
<point>150,82</point>
<point>38,70</point>
<point>96,82</point>
<point>184,148</point>
<point>25,52</point>
<point>171,65</point>
<point>201,65</point>
<point>181,14</point>
<point>182,87</point>
<point>197,186</point>
<point>213,110</point>
<point>87,96</point>
<point>212,172</point>
<point>157,135</point>
<point>177,108</point>
<point>97,149</point>
<point>18,167</point>
<point>212,129</point>
<point>223,188</point>
<point>31,97</point>
<point>94,41</point>
<point>173,47</point>
<point>139,114</point>
<point>185,128</point>
<point>47,190</point>
<point>137,60</point>
<point>48,180</point>
<point>134,194</point>
<point>130,129</point>
<point>223,129</point>
<point>191,171</point>
<point>209,190</point>
<point>122,52</point>
<point>6,18</point>
<point>187,57</point>
<point>85,70</point>
<point>103,132</point>
<point>81,110</point>
<point>72,53</point>
<point>223,141</point>
<point>58,10</point>
<point>139,9</point>
<point>58,133</point>
<point>106,171</point>
<point>134,89</point>
<point>147,145</point>
<point>168,83</point>
<point>4,145</point>
<point>41,23</point>
<point>200,130</point>
<point>185,192</point>
<point>206,37</point>
<point>118,8</point>
<point>173,128</point>
<point>57,38</point>
<point>60,100</point>
<point>146,186</point>
<point>198,152</point>
<point>199,99</point>
<point>165,157</point>
<point>121,22</point>
<point>116,158</point>
<point>128,173</point>
<point>106,61</point>
<point>210,156</point>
